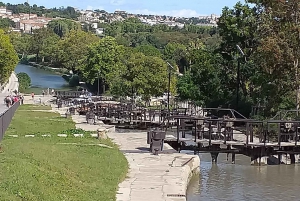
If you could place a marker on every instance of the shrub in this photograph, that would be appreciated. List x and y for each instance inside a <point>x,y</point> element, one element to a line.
<point>24,81</point>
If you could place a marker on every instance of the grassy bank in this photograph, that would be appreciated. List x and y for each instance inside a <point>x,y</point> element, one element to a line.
<point>54,168</point>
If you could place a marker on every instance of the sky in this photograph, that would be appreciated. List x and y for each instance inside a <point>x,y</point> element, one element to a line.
<point>178,8</point>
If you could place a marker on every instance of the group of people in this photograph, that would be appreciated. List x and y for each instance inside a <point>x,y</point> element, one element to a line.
<point>11,99</point>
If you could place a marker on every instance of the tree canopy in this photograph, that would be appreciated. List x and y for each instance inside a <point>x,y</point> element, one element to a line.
<point>8,57</point>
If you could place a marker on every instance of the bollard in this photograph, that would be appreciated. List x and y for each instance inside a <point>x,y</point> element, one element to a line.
<point>156,140</point>
<point>101,134</point>
<point>68,114</point>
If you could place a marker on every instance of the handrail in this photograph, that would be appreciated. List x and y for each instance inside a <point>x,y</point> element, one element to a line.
<point>6,117</point>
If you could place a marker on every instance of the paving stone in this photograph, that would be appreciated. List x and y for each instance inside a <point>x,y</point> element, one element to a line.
<point>29,135</point>
<point>62,135</point>
<point>46,135</point>
<point>94,135</point>
<point>13,135</point>
<point>78,135</point>
<point>152,177</point>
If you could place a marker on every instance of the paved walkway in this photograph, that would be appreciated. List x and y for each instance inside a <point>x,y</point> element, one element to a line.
<point>11,86</point>
<point>38,99</point>
<point>155,178</point>
<point>161,178</point>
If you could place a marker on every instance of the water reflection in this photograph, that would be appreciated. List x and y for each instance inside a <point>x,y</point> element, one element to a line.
<point>41,78</point>
<point>240,181</point>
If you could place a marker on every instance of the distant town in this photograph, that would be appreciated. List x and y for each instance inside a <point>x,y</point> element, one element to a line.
<point>26,22</point>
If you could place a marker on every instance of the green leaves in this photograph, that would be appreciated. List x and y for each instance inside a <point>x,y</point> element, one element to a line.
<point>24,81</point>
<point>8,57</point>
<point>73,48</point>
<point>103,60</point>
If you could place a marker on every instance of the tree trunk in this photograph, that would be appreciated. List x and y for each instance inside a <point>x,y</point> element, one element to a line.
<point>297,85</point>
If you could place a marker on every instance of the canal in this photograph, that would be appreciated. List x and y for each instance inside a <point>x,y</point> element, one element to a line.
<point>241,181</point>
<point>42,79</point>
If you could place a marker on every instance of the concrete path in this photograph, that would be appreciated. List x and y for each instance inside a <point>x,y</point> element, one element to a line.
<point>38,99</point>
<point>161,178</point>
<point>11,86</point>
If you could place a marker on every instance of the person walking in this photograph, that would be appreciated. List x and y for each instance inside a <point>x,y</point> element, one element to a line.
<point>43,92</point>
<point>32,95</point>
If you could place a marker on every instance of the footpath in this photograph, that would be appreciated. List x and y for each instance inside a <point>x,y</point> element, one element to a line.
<point>162,177</point>
<point>9,87</point>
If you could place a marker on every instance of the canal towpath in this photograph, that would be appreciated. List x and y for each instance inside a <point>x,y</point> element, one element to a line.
<point>163,177</point>
<point>9,87</point>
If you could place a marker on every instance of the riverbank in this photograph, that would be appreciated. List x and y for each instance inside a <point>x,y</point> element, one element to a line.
<point>45,66</point>
<point>11,85</point>
<point>43,159</point>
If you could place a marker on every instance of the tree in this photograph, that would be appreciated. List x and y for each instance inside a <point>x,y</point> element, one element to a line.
<point>38,40</point>
<point>24,81</point>
<point>63,26</point>
<point>148,50</point>
<point>144,76</point>
<point>8,57</point>
<point>50,48</point>
<point>6,23</point>
<point>238,26</point>
<point>201,83</point>
<point>21,42</point>
<point>104,59</point>
<point>178,53</point>
<point>73,48</point>
<point>278,51</point>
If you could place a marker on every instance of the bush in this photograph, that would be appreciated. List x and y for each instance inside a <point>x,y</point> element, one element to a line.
<point>74,81</point>
<point>24,81</point>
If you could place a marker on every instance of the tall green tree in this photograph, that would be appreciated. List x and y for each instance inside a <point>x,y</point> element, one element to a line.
<point>202,83</point>
<point>63,26</point>
<point>104,60</point>
<point>38,40</point>
<point>8,57</point>
<point>73,48</point>
<point>144,76</point>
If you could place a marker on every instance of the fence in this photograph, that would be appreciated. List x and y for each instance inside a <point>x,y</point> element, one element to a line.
<point>6,117</point>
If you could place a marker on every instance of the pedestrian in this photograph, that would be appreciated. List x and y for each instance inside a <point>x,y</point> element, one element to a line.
<point>8,101</point>
<point>43,92</point>
<point>32,95</point>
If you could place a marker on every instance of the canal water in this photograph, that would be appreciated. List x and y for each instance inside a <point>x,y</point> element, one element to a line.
<point>241,181</point>
<point>42,79</point>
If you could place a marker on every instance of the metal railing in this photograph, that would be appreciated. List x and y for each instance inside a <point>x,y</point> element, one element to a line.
<point>6,117</point>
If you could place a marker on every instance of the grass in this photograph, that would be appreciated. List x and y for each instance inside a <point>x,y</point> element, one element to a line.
<point>34,107</point>
<point>38,91</point>
<point>44,169</point>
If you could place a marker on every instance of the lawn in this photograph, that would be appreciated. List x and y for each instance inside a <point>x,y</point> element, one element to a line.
<point>50,169</point>
<point>34,107</point>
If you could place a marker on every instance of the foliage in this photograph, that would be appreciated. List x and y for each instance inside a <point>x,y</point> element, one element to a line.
<point>8,57</point>
<point>143,76</point>
<point>266,31</point>
<point>104,59</point>
<point>24,81</point>
<point>63,26</point>
<point>202,82</point>
<point>6,23</point>
<point>68,12</point>
<point>148,50</point>
<point>73,48</point>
